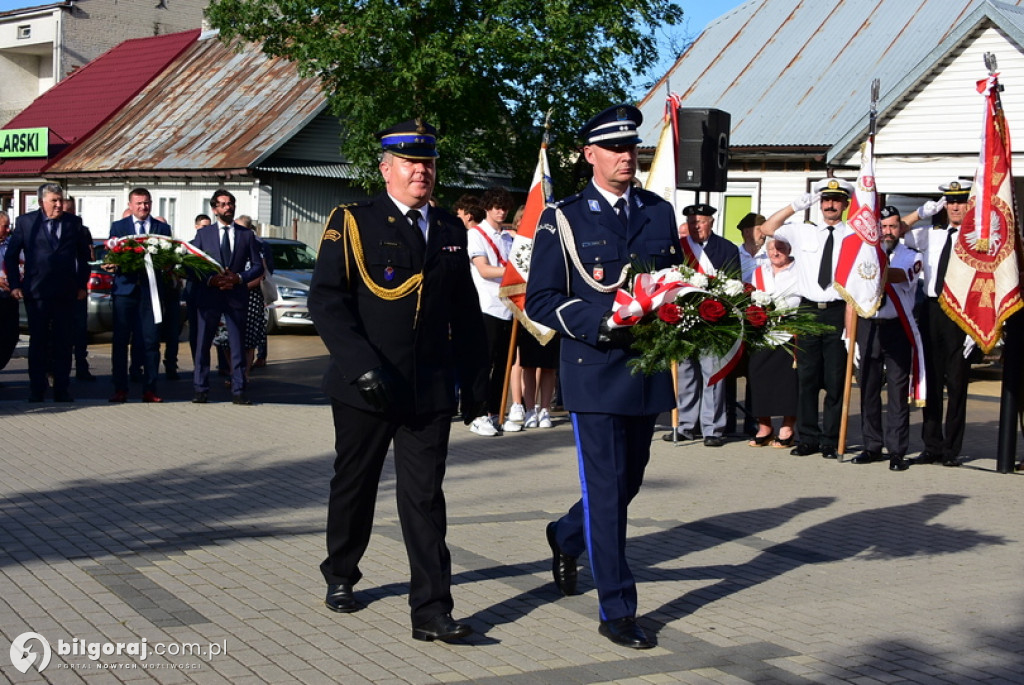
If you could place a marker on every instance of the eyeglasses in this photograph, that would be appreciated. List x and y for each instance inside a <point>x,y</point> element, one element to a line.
<point>229,203</point>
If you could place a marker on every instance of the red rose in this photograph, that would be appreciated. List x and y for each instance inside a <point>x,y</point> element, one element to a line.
<point>711,310</point>
<point>748,288</point>
<point>670,313</point>
<point>756,316</point>
<point>140,249</point>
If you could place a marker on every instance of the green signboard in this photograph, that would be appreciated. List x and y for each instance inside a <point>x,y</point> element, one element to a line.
<point>24,142</point>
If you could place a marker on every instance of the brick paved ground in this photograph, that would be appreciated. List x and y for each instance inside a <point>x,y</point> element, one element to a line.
<point>183,523</point>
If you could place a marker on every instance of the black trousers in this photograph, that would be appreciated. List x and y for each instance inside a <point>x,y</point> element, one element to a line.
<point>51,329</point>
<point>884,351</point>
<point>9,332</point>
<point>821,365</point>
<point>499,336</point>
<point>421,448</point>
<point>945,367</point>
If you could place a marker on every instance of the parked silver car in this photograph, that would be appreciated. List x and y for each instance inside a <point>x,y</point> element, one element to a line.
<point>293,270</point>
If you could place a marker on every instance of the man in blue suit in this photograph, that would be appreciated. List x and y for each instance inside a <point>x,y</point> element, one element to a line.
<point>225,294</point>
<point>582,248</point>
<point>134,318</point>
<point>56,252</point>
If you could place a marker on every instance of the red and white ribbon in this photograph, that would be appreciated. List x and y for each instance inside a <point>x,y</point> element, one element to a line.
<point>650,291</point>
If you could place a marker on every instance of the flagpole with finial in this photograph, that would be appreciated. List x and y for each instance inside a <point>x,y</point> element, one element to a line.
<point>852,318</point>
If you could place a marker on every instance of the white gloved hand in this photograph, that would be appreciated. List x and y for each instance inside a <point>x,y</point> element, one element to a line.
<point>931,208</point>
<point>805,201</point>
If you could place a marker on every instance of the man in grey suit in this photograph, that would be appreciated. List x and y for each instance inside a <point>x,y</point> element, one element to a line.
<point>56,252</point>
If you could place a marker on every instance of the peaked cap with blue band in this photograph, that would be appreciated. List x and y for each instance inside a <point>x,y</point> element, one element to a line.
<point>413,139</point>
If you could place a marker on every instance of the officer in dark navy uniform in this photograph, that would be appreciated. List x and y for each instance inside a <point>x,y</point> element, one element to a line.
<point>581,249</point>
<point>393,299</point>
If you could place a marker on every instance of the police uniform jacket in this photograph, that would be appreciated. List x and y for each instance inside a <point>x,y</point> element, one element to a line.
<point>596,377</point>
<point>420,351</point>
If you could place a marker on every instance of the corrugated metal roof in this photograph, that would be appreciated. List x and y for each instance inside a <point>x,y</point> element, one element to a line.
<point>798,72</point>
<point>218,108</point>
<point>82,102</point>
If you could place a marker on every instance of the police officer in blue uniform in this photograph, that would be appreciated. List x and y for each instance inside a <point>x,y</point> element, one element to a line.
<point>581,249</point>
<point>393,299</point>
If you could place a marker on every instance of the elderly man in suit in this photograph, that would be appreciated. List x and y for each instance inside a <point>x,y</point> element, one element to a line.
<point>134,317</point>
<point>393,299</point>
<point>581,251</point>
<point>56,252</point>
<point>225,294</point>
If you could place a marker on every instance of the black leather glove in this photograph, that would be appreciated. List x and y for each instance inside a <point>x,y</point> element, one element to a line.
<point>373,387</point>
<point>470,409</point>
<point>621,338</point>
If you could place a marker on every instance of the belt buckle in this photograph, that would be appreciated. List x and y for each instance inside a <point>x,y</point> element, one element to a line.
<point>822,305</point>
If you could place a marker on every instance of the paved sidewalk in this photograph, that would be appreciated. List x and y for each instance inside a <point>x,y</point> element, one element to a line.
<point>203,524</point>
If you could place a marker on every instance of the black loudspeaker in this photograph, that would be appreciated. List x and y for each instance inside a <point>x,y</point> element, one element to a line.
<point>702,155</point>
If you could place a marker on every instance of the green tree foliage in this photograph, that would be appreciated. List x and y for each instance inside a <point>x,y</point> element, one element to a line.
<point>484,72</point>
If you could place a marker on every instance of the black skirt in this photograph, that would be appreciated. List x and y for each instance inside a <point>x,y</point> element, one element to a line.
<point>773,383</point>
<point>533,355</point>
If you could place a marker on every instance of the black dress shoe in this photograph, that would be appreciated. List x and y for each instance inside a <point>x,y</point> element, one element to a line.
<point>625,632</point>
<point>948,461</point>
<point>713,441</point>
<point>681,434</point>
<point>804,449</point>
<point>867,457</point>
<point>563,567</point>
<point>927,458</point>
<point>443,628</point>
<point>340,599</point>
<point>241,398</point>
<point>898,463</point>
<point>829,452</point>
<point>200,398</point>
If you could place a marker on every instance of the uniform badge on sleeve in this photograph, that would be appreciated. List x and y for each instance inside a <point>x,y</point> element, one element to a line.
<point>598,272</point>
<point>332,235</point>
<point>389,273</point>
<point>594,206</point>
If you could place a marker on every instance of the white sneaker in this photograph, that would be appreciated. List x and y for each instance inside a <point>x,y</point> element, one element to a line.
<point>482,425</point>
<point>516,414</point>
<point>512,427</point>
<point>531,418</point>
<point>543,419</point>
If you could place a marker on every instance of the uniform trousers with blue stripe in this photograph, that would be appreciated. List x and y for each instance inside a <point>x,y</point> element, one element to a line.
<point>612,452</point>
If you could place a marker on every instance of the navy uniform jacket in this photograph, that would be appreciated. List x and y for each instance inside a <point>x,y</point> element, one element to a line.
<point>49,273</point>
<point>596,378</point>
<point>127,284</point>
<point>722,254</point>
<point>421,351</point>
<point>245,261</point>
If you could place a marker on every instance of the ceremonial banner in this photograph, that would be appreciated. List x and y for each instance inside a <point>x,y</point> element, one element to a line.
<point>982,286</point>
<point>860,271</point>
<point>517,271</point>
<point>661,179</point>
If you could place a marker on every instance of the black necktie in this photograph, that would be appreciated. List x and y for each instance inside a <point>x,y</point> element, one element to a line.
<point>620,211</point>
<point>940,272</point>
<point>53,231</point>
<point>414,219</point>
<point>825,270</point>
<point>225,248</point>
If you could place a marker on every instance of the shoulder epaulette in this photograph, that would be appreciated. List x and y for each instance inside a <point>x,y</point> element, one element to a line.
<point>566,200</point>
